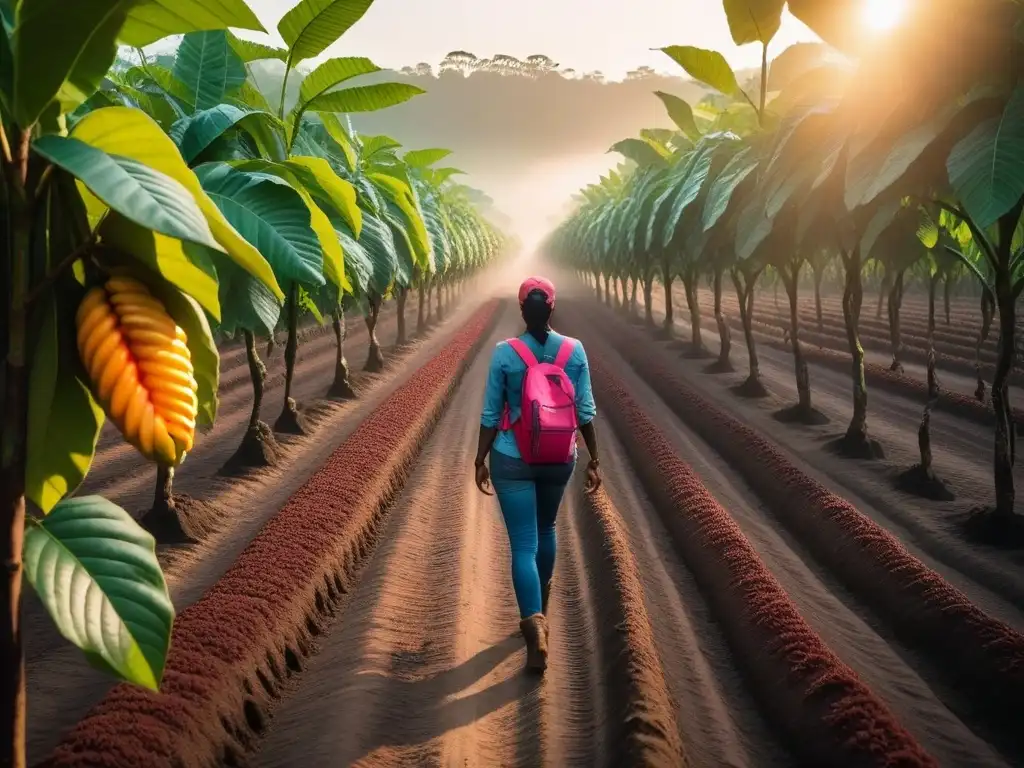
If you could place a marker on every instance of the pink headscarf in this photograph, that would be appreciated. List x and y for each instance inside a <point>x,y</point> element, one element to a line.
<point>537,284</point>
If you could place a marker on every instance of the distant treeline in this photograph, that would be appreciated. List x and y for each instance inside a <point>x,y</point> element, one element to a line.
<point>505,113</point>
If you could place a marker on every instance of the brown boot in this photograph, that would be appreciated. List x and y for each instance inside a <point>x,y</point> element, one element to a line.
<point>535,632</point>
<point>545,593</point>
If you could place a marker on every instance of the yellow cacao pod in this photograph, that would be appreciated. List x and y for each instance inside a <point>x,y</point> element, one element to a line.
<point>140,368</point>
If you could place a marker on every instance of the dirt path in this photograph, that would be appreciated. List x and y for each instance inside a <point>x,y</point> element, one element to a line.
<point>425,666</point>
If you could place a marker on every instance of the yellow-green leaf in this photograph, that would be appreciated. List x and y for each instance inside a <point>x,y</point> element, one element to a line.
<point>312,26</point>
<point>132,133</point>
<point>340,192</point>
<point>152,20</point>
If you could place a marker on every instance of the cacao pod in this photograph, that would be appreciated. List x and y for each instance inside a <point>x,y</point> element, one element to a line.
<point>140,368</point>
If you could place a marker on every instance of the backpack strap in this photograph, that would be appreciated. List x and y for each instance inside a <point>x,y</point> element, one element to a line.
<point>524,352</point>
<point>565,352</point>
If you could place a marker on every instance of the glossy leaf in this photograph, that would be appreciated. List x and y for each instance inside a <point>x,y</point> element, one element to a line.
<point>312,26</point>
<point>318,176</point>
<point>271,216</point>
<point>643,153</point>
<point>709,67</point>
<point>986,168</point>
<point>62,51</point>
<point>720,193</point>
<point>333,73</point>
<point>249,51</point>
<point>422,158</point>
<point>90,547</point>
<point>209,67</point>
<point>184,265</point>
<point>138,192</point>
<point>245,302</point>
<point>793,63</point>
<point>364,98</point>
<point>207,126</point>
<point>64,420</point>
<point>152,20</point>
<point>681,114</point>
<point>128,132</point>
<point>752,21</point>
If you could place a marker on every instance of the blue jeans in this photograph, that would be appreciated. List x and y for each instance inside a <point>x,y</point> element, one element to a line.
<point>529,496</point>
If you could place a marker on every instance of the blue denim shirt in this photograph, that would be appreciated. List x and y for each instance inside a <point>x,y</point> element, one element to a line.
<point>505,385</point>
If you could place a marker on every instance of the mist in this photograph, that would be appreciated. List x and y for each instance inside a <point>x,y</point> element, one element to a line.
<point>529,143</point>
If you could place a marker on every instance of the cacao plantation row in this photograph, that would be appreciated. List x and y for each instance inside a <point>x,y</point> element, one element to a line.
<point>156,207</point>
<point>837,161</point>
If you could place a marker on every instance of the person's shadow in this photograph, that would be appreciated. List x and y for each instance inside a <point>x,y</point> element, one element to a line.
<point>414,712</point>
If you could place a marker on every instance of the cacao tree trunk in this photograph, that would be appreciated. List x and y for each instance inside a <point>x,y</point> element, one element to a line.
<point>374,357</point>
<point>440,303</point>
<point>666,276</point>
<point>947,296</point>
<point>597,286</point>
<point>744,284</point>
<point>895,339</point>
<point>690,285</point>
<point>853,299</point>
<point>634,307</point>
<point>724,332</point>
<point>819,273</point>
<point>987,311</point>
<point>400,299</point>
<point>421,317</point>
<point>290,420</point>
<point>791,282</point>
<point>342,387</point>
<point>648,297</point>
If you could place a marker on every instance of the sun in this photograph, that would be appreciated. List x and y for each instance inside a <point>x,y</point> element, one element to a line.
<point>883,15</point>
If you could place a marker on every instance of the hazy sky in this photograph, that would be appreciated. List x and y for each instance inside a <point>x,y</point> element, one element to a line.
<point>612,36</point>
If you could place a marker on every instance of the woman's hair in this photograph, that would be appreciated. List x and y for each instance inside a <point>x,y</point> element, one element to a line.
<point>536,315</point>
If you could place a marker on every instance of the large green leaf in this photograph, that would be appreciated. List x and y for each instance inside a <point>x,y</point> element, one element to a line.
<point>209,125</point>
<point>687,191</point>
<point>332,73</point>
<point>837,22</point>
<point>129,132</point>
<point>62,51</point>
<point>245,302</point>
<point>986,168</point>
<point>64,420</point>
<point>184,265</point>
<point>681,113</point>
<point>364,98</point>
<point>720,193</point>
<point>358,265</point>
<point>249,51</point>
<point>708,67</point>
<point>379,245</point>
<point>271,216</point>
<point>305,182</point>
<point>152,20</point>
<point>404,197</point>
<point>321,180</point>
<point>95,569</point>
<point>209,67</point>
<point>312,26</point>
<point>889,160</point>
<point>422,158</point>
<point>753,21</point>
<point>643,153</point>
<point>140,193</point>
<point>794,62</point>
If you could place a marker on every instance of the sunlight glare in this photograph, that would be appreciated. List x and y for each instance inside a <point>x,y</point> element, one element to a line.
<point>883,15</point>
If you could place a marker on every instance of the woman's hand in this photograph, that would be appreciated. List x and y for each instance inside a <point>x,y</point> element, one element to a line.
<point>593,476</point>
<point>483,479</point>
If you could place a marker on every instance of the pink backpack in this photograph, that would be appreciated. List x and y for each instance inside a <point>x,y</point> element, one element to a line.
<point>546,430</point>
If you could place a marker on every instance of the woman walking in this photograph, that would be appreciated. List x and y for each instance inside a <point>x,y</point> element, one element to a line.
<point>538,394</point>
